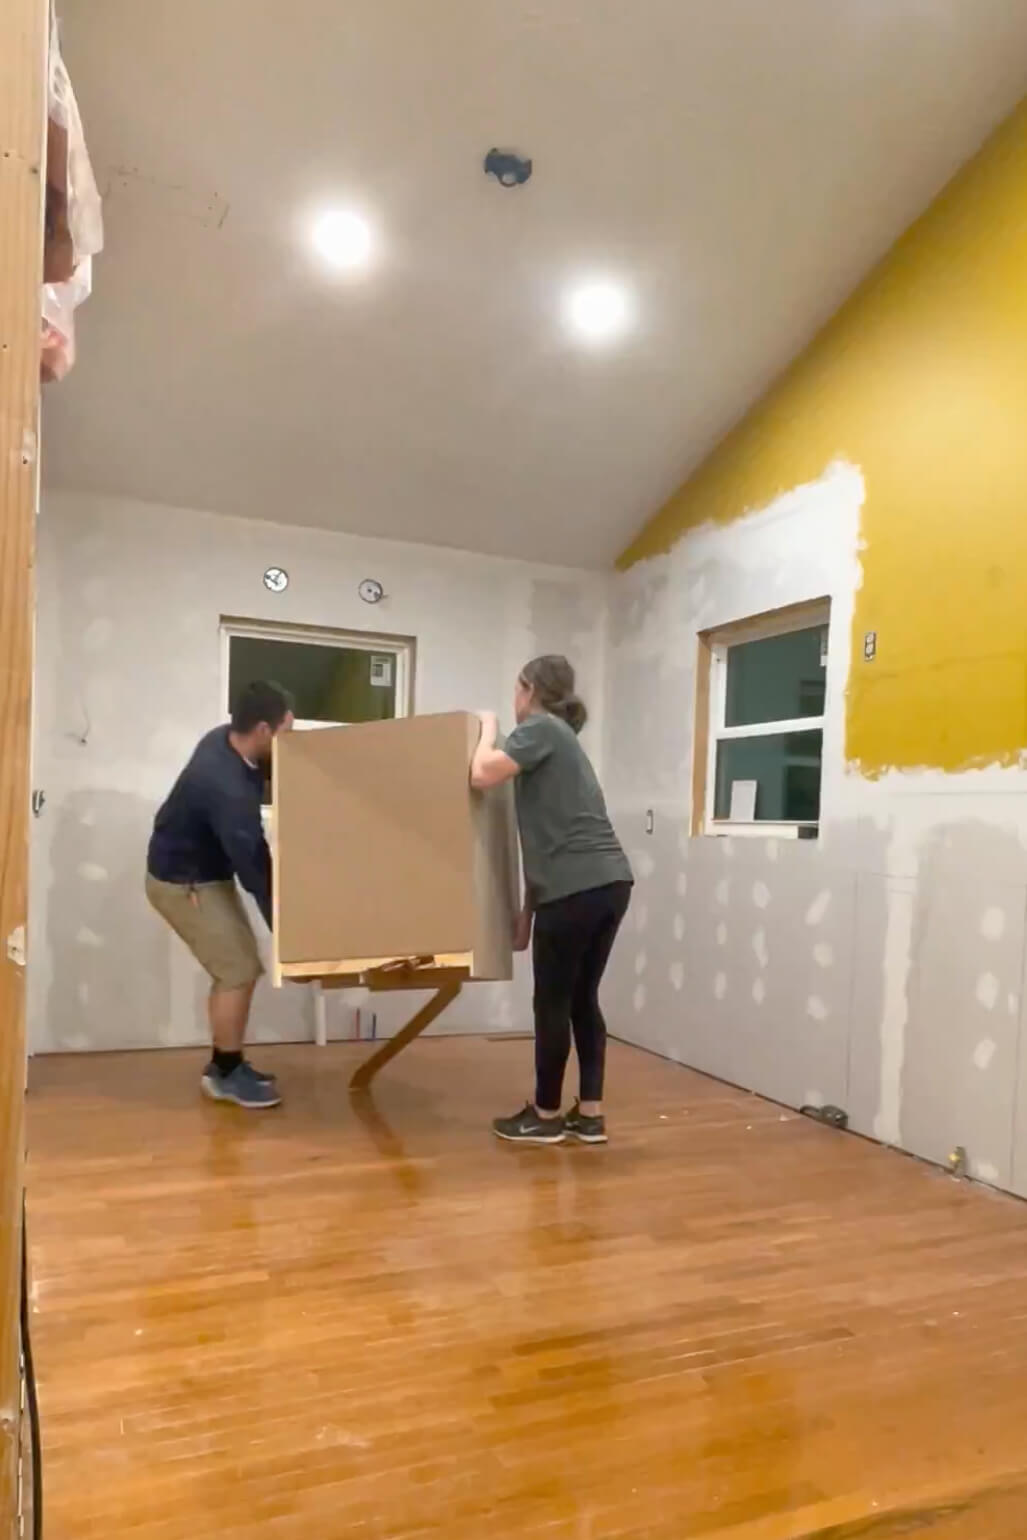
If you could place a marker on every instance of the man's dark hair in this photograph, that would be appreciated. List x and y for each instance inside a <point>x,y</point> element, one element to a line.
<point>261,701</point>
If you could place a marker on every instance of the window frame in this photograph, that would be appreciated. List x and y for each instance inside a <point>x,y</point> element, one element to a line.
<point>711,713</point>
<point>401,648</point>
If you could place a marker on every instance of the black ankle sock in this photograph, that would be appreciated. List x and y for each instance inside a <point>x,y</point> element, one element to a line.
<point>224,1062</point>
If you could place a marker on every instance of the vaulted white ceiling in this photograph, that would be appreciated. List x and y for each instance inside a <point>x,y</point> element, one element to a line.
<point>739,163</point>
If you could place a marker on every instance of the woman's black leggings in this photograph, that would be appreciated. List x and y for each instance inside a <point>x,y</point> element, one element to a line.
<point>573,939</point>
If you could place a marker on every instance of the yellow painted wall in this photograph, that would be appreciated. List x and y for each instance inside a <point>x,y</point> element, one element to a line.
<point>921,381</point>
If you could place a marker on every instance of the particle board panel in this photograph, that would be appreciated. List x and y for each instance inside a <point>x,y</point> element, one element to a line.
<point>382,850</point>
<point>496,876</point>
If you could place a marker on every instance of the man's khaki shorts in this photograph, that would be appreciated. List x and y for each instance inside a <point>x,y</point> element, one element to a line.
<point>212,922</point>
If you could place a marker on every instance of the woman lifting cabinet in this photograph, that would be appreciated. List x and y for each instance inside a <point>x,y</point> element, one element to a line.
<point>578,886</point>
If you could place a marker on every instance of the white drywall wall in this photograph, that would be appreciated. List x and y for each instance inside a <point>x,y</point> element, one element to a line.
<point>131,597</point>
<point>881,967</point>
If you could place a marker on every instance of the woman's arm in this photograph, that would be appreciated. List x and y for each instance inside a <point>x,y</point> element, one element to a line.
<point>522,927</point>
<point>489,765</point>
<point>524,920</point>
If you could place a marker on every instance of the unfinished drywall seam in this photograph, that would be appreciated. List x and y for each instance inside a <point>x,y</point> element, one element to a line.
<point>898,951</point>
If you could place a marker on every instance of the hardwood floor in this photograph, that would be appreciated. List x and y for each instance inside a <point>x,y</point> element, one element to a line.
<point>372,1322</point>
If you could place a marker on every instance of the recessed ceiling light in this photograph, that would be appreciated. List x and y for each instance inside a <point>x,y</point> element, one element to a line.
<point>598,311</point>
<point>342,239</point>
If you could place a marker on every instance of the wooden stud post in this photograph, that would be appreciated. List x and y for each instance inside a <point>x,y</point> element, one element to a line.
<point>24,26</point>
<point>701,734</point>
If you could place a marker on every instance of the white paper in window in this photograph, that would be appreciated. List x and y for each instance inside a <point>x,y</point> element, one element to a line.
<point>743,801</point>
<point>381,671</point>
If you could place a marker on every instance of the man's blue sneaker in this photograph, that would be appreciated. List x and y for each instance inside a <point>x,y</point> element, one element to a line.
<point>243,1086</point>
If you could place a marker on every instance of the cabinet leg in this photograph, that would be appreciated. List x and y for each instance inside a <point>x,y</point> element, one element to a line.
<point>444,995</point>
<point>320,1015</point>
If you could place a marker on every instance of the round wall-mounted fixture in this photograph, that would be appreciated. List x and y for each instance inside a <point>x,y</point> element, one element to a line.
<point>371,591</point>
<point>276,580</point>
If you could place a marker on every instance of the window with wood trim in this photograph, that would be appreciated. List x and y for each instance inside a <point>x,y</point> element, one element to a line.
<point>759,747</point>
<point>335,678</point>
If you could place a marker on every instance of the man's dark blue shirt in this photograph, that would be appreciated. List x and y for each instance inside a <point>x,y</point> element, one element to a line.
<point>209,829</point>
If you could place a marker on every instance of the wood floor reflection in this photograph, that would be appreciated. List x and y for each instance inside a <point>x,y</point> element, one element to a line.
<point>369,1321</point>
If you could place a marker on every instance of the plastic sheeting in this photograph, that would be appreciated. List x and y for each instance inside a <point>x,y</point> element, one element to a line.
<point>74,221</point>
